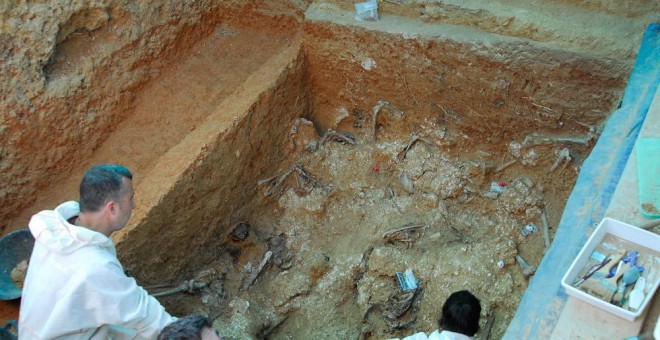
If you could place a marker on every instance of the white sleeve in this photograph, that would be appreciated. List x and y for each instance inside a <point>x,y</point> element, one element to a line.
<point>416,336</point>
<point>123,301</point>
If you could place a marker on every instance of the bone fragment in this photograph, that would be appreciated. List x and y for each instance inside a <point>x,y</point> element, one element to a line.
<point>342,137</point>
<point>528,270</point>
<point>546,230</point>
<point>533,140</point>
<point>414,138</point>
<point>564,158</point>
<point>186,286</point>
<point>490,194</point>
<point>202,279</point>
<point>255,273</point>
<point>374,114</point>
<point>407,183</point>
<point>407,227</point>
<point>275,182</point>
<point>505,165</point>
<point>302,178</point>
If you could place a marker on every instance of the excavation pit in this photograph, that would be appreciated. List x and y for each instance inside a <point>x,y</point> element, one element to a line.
<point>326,205</point>
<point>345,152</point>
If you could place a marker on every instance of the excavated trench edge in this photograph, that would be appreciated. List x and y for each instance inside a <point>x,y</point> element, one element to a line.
<point>540,307</point>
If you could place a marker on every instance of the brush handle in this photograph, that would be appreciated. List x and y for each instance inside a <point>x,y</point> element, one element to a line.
<point>592,271</point>
<point>650,225</point>
<point>605,270</point>
<point>615,279</point>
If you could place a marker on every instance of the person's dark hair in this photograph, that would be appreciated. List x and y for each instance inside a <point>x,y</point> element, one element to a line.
<point>101,183</point>
<point>460,313</point>
<point>186,328</point>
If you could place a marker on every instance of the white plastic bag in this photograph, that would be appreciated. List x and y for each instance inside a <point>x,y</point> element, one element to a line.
<point>407,280</point>
<point>366,11</point>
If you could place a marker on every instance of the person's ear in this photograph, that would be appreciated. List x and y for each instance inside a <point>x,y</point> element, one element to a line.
<point>111,207</point>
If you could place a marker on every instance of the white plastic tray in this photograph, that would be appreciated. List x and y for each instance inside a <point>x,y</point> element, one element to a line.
<point>623,231</point>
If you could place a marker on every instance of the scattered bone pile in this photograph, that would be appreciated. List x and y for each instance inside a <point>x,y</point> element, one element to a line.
<point>348,210</point>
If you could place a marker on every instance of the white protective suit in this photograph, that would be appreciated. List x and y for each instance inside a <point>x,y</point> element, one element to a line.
<point>444,335</point>
<point>75,287</point>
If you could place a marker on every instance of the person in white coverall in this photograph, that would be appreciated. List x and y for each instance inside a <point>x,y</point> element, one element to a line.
<point>459,321</point>
<point>75,287</point>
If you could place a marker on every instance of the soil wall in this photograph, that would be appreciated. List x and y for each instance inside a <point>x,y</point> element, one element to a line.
<point>70,71</point>
<point>193,196</point>
<point>610,28</point>
<point>483,84</point>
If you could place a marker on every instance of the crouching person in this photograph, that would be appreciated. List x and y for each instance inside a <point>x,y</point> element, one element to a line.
<point>459,321</point>
<point>75,287</point>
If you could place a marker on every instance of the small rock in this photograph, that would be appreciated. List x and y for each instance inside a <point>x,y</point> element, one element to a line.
<point>515,148</point>
<point>240,232</point>
<point>342,114</point>
<point>368,64</point>
<point>282,256</point>
<point>491,195</point>
<point>312,146</point>
<point>17,275</point>
<point>527,181</point>
<point>234,252</point>
<point>529,229</point>
<point>430,199</point>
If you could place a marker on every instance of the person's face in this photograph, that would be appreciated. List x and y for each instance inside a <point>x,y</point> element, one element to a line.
<point>124,205</point>
<point>210,334</point>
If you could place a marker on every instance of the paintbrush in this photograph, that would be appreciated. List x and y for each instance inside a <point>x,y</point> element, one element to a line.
<point>594,282</point>
<point>605,291</point>
<point>629,277</point>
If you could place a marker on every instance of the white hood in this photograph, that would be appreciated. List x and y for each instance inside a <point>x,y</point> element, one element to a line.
<point>53,231</point>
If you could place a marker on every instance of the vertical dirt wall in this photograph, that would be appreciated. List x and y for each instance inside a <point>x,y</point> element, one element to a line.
<point>70,71</point>
<point>480,83</point>
<point>194,195</point>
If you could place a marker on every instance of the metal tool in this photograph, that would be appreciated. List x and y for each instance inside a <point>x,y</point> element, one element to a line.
<point>591,271</point>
